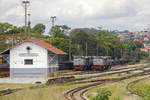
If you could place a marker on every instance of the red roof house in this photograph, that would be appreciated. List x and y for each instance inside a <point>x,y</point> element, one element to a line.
<point>32,58</point>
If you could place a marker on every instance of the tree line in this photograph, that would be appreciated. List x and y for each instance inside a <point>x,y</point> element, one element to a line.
<point>79,41</point>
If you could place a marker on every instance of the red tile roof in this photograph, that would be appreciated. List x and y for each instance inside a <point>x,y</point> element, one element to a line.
<point>137,40</point>
<point>47,46</point>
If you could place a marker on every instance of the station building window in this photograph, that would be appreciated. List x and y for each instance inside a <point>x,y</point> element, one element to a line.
<point>28,61</point>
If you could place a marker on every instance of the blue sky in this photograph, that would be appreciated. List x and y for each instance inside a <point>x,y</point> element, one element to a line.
<point>110,14</point>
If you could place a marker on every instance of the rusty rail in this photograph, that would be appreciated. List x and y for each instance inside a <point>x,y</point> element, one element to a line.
<point>70,95</point>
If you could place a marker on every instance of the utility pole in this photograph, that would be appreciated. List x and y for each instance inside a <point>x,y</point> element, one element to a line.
<point>53,19</point>
<point>12,40</point>
<point>69,49</point>
<point>29,24</point>
<point>86,48</point>
<point>97,49</point>
<point>25,4</point>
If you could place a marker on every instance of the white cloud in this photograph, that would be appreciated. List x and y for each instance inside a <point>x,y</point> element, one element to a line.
<point>132,14</point>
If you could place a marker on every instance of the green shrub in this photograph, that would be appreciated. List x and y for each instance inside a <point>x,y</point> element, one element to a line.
<point>142,61</point>
<point>118,98</point>
<point>102,94</point>
<point>132,62</point>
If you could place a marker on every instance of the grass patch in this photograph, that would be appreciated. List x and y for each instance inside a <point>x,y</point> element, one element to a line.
<point>84,76</point>
<point>14,86</point>
<point>118,89</point>
<point>143,61</point>
<point>143,88</point>
<point>134,62</point>
<point>136,65</point>
<point>53,92</point>
<point>104,77</point>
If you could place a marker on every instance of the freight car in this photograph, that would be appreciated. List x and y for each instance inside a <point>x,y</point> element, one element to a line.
<point>121,61</point>
<point>66,65</point>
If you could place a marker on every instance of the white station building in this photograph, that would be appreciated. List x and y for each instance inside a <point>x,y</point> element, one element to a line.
<point>32,58</point>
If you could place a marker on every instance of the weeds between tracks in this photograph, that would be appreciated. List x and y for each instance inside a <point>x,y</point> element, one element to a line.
<point>70,95</point>
<point>129,86</point>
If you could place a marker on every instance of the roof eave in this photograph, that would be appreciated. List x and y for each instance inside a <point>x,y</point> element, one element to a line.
<point>5,51</point>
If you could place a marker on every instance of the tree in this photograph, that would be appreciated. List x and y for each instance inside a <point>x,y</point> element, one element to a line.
<point>65,28</point>
<point>108,44</point>
<point>13,30</point>
<point>38,28</point>
<point>59,30</point>
<point>4,46</point>
<point>61,43</point>
<point>84,40</point>
<point>131,50</point>
<point>5,27</point>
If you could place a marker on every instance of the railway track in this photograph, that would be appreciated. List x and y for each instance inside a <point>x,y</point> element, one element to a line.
<point>80,89</point>
<point>6,92</point>
<point>94,72</point>
<point>78,93</point>
<point>133,82</point>
<point>92,78</point>
<point>70,95</point>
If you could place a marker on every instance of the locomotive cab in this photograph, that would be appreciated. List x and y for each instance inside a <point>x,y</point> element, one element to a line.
<point>98,63</point>
<point>78,63</point>
<point>101,62</point>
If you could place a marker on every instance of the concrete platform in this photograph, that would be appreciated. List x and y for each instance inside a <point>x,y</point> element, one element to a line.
<point>21,80</point>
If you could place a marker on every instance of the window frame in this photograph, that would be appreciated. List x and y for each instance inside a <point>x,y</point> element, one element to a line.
<point>26,61</point>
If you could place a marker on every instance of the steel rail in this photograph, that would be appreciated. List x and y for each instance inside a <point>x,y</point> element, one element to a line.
<point>70,95</point>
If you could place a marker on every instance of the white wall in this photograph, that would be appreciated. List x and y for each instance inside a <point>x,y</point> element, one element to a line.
<point>17,61</point>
